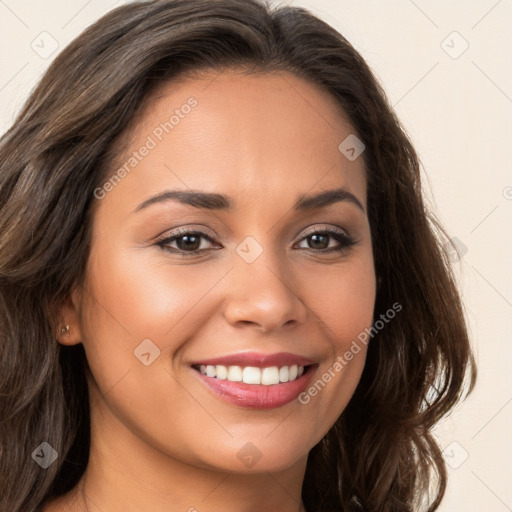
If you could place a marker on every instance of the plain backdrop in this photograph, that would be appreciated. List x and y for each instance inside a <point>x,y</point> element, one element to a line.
<point>447,71</point>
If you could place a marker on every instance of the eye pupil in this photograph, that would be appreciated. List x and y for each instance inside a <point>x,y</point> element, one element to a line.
<point>190,242</point>
<point>319,245</point>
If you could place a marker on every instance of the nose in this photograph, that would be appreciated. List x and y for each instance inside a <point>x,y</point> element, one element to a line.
<point>263,295</point>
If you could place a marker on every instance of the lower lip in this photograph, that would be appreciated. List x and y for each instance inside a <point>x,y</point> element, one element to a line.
<point>257,396</point>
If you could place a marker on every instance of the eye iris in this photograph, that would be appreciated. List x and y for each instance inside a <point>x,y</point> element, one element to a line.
<point>319,245</point>
<point>191,242</point>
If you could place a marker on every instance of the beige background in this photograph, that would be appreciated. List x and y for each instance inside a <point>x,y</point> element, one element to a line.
<point>456,104</point>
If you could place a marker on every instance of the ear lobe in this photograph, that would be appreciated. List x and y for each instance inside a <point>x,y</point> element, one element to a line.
<point>68,328</point>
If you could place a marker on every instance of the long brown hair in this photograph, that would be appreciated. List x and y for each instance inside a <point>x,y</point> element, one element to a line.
<point>380,455</point>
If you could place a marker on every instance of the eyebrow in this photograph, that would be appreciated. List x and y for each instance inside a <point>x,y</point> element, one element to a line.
<point>214,201</point>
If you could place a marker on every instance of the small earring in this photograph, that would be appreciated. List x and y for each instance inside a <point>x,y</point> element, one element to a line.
<point>65,330</point>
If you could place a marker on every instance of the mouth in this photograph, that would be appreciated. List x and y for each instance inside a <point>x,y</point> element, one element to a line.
<point>267,376</point>
<point>256,381</point>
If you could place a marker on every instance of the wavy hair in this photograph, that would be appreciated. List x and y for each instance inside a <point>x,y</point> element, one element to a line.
<point>380,455</point>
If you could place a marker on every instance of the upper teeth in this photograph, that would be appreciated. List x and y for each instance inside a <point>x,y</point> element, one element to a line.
<point>253,375</point>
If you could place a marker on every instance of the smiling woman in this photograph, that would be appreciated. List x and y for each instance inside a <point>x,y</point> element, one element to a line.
<point>241,305</point>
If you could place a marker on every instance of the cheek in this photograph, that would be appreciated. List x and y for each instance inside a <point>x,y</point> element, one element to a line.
<point>134,305</point>
<point>135,319</point>
<point>343,298</point>
<point>343,301</point>
<point>141,297</point>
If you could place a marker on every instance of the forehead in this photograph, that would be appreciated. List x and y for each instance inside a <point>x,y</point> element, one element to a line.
<point>261,135</point>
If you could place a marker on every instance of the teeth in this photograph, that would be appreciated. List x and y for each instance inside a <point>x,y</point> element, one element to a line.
<point>235,373</point>
<point>221,372</point>
<point>270,376</point>
<point>253,375</point>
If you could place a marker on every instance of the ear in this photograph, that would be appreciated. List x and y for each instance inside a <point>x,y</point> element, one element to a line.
<point>68,325</point>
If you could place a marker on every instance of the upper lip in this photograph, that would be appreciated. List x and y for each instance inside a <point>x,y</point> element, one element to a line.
<point>257,360</point>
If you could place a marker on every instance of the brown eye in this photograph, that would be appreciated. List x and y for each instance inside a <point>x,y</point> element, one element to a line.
<point>320,241</point>
<point>188,243</point>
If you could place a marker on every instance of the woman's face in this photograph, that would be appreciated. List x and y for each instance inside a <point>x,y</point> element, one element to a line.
<point>179,285</point>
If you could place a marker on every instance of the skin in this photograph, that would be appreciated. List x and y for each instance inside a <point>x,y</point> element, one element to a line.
<point>161,440</point>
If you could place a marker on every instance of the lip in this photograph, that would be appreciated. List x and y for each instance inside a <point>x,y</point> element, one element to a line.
<point>257,360</point>
<point>257,396</point>
<point>254,396</point>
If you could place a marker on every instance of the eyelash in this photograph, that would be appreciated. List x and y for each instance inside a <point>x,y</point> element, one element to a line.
<point>341,237</point>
